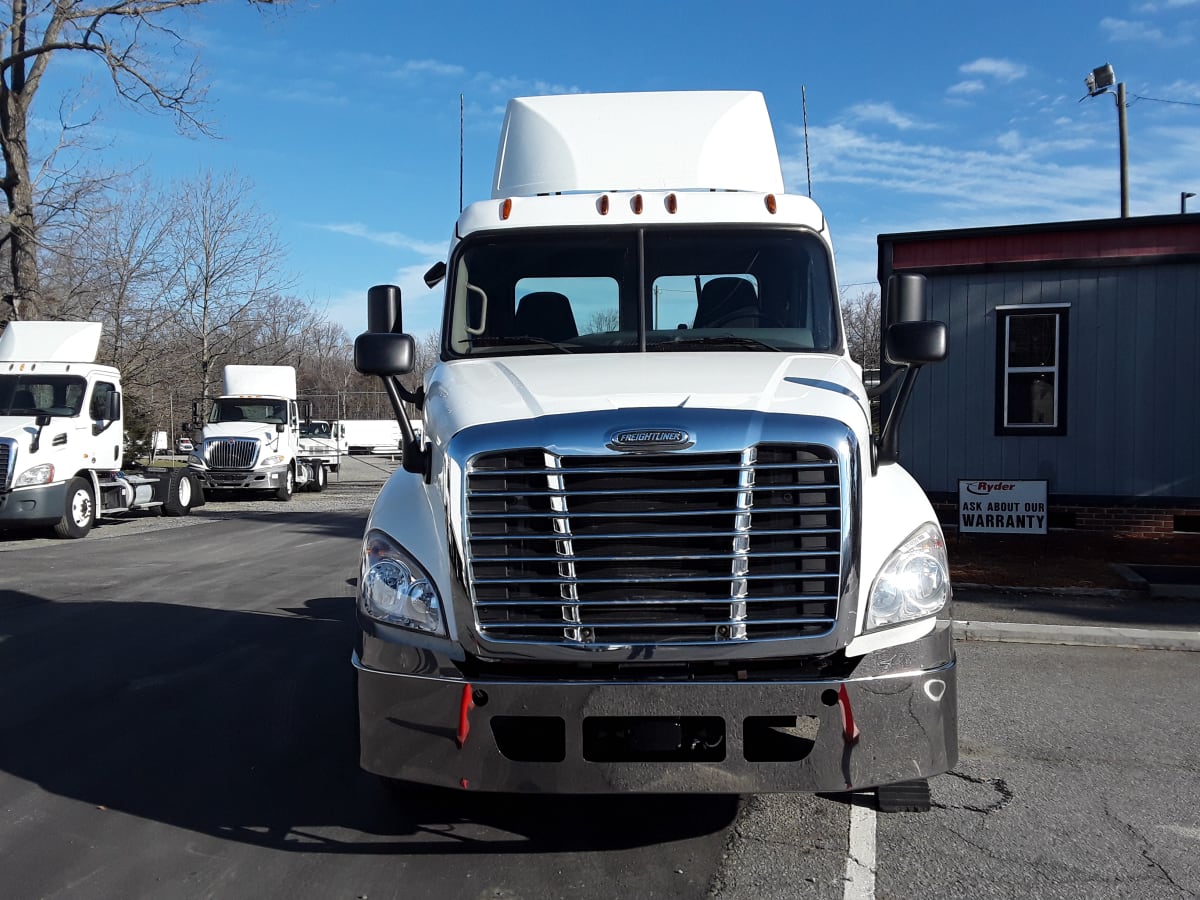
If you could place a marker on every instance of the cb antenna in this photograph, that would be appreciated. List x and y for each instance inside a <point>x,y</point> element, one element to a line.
<point>460,153</point>
<point>804,110</point>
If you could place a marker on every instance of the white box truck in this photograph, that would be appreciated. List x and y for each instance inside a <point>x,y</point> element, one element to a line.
<point>251,439</point>
<point>648,541</point>
<point>62,436</point>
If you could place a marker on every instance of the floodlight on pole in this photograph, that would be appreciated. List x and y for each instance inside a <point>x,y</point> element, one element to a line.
<point>1098,81</point>
<point>1183,199</point>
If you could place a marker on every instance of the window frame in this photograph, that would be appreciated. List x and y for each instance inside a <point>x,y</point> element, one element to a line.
<point>1004,371</point>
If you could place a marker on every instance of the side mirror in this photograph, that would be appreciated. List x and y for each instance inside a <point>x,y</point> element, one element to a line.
<point>378,353</point>
<point>383,309</point>
<point>915,343</point>
<point>42,420</point>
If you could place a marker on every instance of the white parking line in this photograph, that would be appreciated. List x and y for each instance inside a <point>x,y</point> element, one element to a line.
<point>860,860</point>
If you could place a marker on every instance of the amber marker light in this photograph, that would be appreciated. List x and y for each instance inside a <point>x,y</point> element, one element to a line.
<point>637,204</point>
<point>506,208</point>
<point>602,205</point>
<point>672,203</point>
<point>770,201</point>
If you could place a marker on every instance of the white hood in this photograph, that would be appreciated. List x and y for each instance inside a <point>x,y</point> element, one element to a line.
<point>465,393</point>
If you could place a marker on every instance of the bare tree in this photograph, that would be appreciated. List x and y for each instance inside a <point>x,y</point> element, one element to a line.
<point>861,317</point>
<point>227,269</point>
<point>133,40</point>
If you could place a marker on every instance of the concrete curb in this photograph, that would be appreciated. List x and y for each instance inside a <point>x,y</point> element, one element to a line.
<point>1078,635</point>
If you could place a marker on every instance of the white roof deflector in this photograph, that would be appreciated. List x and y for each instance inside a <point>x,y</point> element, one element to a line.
<point>670,140</point>
<point>50,342</point>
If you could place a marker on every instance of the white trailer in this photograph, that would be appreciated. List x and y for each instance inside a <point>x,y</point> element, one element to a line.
<point>251,439</point>
<point>372,435</point>
<point>648,541</point>
<point>62,436</point>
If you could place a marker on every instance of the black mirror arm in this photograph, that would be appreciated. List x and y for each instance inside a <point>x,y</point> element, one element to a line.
<point>415,458</point>
<point>888,447</point>
<point>885,386</point>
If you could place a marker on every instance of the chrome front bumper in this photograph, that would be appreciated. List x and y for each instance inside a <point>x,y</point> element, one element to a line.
<point>895,719</point>
<point>267,479</point>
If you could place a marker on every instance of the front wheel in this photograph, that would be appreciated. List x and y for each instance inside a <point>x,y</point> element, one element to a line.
<point>79,512</point>
<point>287,486</point>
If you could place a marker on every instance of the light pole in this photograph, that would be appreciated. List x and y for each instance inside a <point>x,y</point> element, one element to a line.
<point>1183,199</point>
<point>1098,82</point>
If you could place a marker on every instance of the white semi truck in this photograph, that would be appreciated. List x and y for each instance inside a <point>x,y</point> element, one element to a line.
<point>324,441</point>
<point>62,436</point>
<point>251,439</point>
<point>648,541</point>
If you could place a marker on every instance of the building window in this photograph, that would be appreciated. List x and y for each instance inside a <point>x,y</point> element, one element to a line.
<point>1031,369</point>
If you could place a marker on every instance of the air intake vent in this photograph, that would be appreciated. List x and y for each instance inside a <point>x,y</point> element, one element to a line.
<point>675,548</point>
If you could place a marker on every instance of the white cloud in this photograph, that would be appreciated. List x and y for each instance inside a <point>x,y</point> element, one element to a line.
<point>1003,70</point>
<point>1125,30</point>
<point>884,112</point>
<point>972,86</point>
<point>386,238</point>
<point>430,67</point>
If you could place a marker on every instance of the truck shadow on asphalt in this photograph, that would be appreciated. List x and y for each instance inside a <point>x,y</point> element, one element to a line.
<point>242,725</point>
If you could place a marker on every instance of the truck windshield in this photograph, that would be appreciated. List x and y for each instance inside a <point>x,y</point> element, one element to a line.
<point>248,409</point>
<point>607,292</point>
<point>31,395</point>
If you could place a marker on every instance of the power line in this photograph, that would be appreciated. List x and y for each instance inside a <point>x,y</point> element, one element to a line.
<point>1137,97</point>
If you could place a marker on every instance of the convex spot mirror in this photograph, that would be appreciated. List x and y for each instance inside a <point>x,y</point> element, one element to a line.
<point>378,353</point>
<point>916,343</point>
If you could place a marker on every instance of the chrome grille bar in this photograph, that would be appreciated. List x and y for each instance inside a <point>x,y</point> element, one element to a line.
<point>231,453</point>
<point>671,548</point>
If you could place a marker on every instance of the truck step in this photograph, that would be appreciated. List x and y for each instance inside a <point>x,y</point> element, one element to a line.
<point>904,796</point>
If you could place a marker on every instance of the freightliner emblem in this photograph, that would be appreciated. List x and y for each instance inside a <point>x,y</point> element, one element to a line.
<point>645,440</point>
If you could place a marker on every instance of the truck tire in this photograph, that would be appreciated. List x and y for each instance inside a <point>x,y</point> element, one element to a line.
<point>287,487</point>
<point>79,513</point>
<point>181,491</point>
<point>317,483</point>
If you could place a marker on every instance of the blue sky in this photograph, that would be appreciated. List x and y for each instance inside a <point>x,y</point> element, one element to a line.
<point>344,114</point>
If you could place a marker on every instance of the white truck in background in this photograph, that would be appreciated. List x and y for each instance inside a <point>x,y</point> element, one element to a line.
<point>62,436</point>
<point>648,541</point>
<point>251,438</point>
<point>372,435</point>
<point>325,441</point>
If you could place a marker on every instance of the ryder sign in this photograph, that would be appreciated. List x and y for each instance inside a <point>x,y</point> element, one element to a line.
<point>1008,507</point>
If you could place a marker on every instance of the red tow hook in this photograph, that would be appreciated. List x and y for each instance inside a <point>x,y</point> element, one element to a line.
<point>465,705</point>
<point>850,732</point>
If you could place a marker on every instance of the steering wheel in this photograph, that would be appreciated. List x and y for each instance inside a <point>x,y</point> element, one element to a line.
<point>746,312</point>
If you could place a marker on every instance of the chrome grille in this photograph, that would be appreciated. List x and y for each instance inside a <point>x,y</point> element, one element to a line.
<point>671,548</point>
<point>231,453</point>
<point>7,455</point>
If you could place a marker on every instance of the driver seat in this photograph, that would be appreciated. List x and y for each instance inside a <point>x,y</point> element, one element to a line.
<point>727,302</point>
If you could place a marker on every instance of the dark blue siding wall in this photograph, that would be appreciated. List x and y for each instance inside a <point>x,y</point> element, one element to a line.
<point>1133,368</point>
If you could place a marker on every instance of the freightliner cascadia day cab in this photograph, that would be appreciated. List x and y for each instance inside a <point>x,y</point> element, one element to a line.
<point>251,439</point>
<point>648,541</point>
<point>62,436</point>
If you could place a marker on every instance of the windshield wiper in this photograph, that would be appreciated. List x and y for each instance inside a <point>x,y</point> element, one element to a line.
<point>510,340</point>
<point>726,341</point>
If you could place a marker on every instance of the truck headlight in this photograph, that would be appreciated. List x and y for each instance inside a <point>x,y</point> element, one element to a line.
<point>43,474</point>
<point>195,460</point>
<point>393,588</point>
<point>914,582</point>
<point>277,460</point>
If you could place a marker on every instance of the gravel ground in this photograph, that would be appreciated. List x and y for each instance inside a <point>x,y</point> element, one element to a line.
<point>354,487</point>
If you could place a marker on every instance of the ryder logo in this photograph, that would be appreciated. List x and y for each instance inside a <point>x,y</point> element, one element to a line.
<point>987,488</point>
